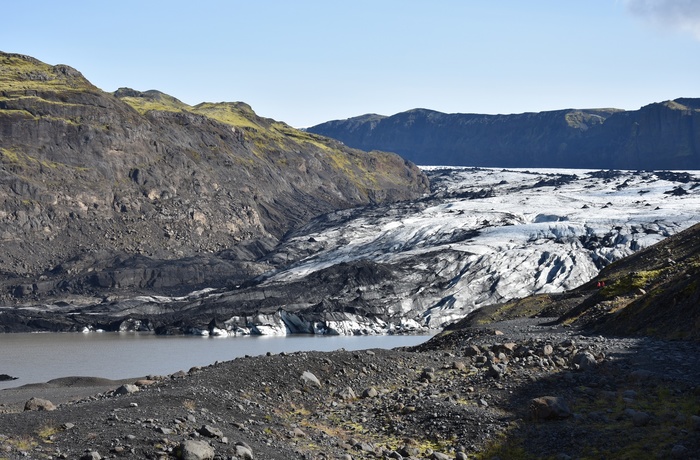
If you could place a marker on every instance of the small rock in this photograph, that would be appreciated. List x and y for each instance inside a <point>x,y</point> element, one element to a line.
<point>126,389</point>
<point>640,419</point>
<point>440,456</point>
<point>298,433</point>
<point>364,447</point>
<point>497,370</point>
<point>549,408</point>
<point>428,375</point>
<point>307,378</point>
<point>695,419</point>
<point>585,361</point>
<point>243,451</point>
<point>679,451</point>
<point>346,393</point>
<point>178,375</point>
<point>39,404</point>
<point>210,431</point>
<point>92,455</point>
<point>409,451</point>
<point>196,450</point>
<point>472,350</point>
<point>370,393</point>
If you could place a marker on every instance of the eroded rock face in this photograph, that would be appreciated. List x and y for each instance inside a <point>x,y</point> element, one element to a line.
<point>104,191</point>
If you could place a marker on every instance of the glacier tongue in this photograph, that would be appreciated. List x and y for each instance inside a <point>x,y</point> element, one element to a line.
<point>480,237</point>
<point>484,236</point>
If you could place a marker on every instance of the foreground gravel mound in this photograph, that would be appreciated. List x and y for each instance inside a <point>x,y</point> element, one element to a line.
<point>513,389</point>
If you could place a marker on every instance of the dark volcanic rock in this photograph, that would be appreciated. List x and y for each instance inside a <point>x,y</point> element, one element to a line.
<point>139,191</point>
<point>255,407</point>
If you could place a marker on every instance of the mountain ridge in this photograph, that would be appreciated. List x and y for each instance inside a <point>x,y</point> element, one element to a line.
<point>663,135</point>
<point>85,172</point>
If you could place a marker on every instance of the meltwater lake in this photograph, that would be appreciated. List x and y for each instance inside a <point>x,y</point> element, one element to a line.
<point>40,357</point>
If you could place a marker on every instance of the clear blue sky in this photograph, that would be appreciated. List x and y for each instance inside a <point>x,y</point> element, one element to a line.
<point>309,61</point>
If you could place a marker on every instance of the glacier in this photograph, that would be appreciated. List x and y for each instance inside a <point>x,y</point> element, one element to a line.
<point>480,236</point>
<point>489,235</point>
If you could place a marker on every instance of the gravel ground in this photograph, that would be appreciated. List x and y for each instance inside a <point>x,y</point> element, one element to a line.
<point>517,389</point>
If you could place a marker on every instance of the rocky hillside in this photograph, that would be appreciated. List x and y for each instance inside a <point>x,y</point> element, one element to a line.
<point>139,190</point>
<point>658,136</point>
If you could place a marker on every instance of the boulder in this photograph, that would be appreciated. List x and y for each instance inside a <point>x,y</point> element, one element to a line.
<point>309,379</point>
<point>679,451</point>
<point>370,392</point>
<point>585,361</point>
<point>549,408</point>
<point>440,456</point>
<point>244,451</point>
<point>196,450</point>
<point>428,374</point>
<point>346,393</point>
<point>92,455</point>
<point>39,404</point>
<point>497,370</point>
<point>640,418</point>
<point>126,389</point>
<point>210,431</point>
<point>472,350</point>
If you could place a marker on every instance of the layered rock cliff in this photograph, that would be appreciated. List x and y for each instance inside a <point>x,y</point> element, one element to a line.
<point>139,190</point>
<point>658,136</point>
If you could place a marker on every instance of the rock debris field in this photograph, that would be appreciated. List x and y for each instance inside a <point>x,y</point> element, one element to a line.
<point>515,389</point>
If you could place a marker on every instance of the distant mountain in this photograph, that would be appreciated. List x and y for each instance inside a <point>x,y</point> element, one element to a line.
<point>658,136</point>
<point>139,190</point>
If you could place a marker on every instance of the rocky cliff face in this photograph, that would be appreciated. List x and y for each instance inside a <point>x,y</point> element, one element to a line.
<point>658,136</point>
<point>139,190</point>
